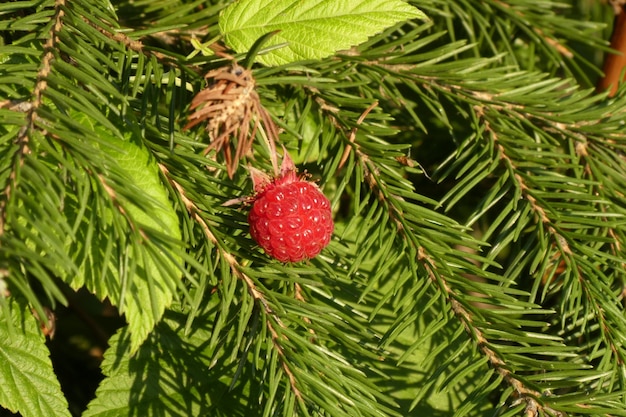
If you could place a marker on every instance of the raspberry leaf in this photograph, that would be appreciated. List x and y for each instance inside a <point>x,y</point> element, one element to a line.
<point>165,362</point>
<point>140,278</point>
<point>311,29</point>
<point>29,385</point>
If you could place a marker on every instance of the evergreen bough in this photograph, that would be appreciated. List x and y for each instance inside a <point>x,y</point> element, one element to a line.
<point>477,181</point>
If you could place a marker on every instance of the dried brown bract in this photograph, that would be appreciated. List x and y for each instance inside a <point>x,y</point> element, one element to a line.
<point>230,105</point>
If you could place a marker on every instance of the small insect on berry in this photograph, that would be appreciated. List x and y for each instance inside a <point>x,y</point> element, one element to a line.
<point>290,217</point>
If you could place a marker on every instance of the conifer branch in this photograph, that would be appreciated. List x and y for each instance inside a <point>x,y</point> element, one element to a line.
<point>616,244</point>
<point>521,20</point>
<point>565,253</point>
<point>30,108</point>
<point>132,44</point>
<point>352,136</point>
<point>236,269</point>
<point>617,5</point>
<point>524,393</point>
<point>486,93</point>
<point>300,297</point>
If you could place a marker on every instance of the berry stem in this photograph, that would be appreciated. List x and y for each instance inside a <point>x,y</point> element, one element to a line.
<point>271,145</point>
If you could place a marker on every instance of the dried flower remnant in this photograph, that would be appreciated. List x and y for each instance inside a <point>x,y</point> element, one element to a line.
<point>230,105</point>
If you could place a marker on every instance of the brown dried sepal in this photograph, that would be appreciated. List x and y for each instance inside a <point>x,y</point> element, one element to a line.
<point>229,105</point>
<point>47,325</point>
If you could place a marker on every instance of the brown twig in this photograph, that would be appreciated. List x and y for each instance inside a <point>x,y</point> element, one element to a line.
<point>615,62</point>
<point>352,137</point>
<point>298,296</point>
<point>133,45</point>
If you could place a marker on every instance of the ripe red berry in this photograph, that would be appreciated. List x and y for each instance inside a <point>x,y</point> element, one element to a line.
<point>290,217</point>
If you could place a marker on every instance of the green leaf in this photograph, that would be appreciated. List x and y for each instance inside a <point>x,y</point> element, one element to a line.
<point>29,384</point>
<point>137,162</point>
<point>168,376</point>
<point>142,169</point>
<point>312,29</point>
<point>141,280</point>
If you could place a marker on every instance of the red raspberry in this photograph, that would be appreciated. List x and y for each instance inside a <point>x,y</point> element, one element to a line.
<point>290,217</point>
